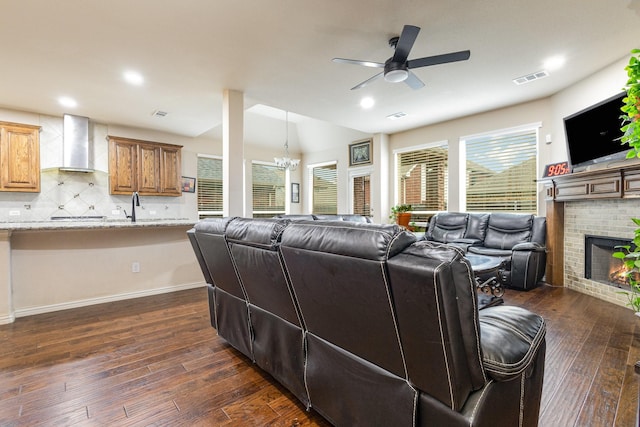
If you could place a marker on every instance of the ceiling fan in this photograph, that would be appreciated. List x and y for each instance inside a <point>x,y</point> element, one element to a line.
<point>398,67</point>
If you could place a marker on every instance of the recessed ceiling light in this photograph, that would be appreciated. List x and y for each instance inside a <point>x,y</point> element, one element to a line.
<point>554,62</point>
<point>367,102</point>
<point>133,77</point>
<point>65,101</point>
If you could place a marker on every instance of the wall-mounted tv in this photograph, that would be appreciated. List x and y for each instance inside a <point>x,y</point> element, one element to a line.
<point>593,134</point>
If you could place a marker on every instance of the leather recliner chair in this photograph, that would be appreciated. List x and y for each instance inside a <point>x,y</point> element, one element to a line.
<point>518,240</point>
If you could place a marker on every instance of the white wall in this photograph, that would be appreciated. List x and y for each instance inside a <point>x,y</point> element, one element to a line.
<point>330,143</point>
<point>51,270</point>
<point>54,270</point>
<point>595,88</point>
<point>549,111</point>
<point>452,131</point>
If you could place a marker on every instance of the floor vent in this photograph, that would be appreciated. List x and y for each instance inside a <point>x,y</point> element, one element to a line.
<point>531,77</point>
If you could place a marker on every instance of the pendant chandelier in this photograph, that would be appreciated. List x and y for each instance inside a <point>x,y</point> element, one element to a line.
<point>286,162</point>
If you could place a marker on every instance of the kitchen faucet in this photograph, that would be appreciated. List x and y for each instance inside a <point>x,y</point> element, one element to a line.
<point>135,201</point>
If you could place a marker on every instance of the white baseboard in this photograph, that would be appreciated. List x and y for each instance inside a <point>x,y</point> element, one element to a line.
<point>23,312</point>
<point>10,318</point>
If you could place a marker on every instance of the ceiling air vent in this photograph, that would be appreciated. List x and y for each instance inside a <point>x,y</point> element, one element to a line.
<point>159,113</point>
<point>531,77</point>
<point>396,116</point>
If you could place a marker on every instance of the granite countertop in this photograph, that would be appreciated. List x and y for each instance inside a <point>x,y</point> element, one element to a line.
<point>88,224</point>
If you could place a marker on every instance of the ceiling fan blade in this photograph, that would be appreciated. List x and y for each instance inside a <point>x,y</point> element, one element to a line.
<point>413,81</point>
<point>366,82</point>
<point>463,55</point>
<point>357,62</point>
<point>405,43</point>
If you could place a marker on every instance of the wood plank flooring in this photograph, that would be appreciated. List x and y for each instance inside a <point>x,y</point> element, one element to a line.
<point>157,361</point>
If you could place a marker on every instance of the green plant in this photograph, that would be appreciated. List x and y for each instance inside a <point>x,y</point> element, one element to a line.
<point>417,228</point>
<point>630,256</point>
<point>630,126</point>
<point>395,210</point>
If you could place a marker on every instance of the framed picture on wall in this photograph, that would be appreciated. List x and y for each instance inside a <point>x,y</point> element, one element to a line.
<point>360,153</point>
<point>188,184</point>
<point>295,192</point>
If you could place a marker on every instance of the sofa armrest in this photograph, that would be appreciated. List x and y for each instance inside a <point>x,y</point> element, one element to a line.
<point>528,246</point>
<point>510,338</point>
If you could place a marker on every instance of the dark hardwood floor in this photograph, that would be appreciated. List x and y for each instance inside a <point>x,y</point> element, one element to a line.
<point>157,361</point>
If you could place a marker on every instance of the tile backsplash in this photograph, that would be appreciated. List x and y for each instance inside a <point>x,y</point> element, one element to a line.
<point>83,194</point>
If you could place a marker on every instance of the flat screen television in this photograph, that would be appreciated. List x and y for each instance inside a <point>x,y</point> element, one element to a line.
<point>593,134</point>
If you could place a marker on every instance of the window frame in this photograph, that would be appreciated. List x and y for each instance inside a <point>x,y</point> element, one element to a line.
<point>497,133</point>
<point>354,173</point>
<point>286,186</point>
<point>399,151</point>
<point>208,213</point>
<point>310,192</point>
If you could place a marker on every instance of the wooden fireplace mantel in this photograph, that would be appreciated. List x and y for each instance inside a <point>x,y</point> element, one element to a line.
<point>620,182</point>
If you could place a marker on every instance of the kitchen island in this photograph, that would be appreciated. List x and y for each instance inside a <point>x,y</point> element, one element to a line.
<point>59,264</point>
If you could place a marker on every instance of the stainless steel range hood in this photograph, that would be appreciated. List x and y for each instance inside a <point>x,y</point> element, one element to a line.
<point>77,147</point>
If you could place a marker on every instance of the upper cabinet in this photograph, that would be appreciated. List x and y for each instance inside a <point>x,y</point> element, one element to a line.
<point>150,168</point>
<point>19,157</point>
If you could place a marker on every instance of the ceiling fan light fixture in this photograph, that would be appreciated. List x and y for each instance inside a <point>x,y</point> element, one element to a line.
<point>396,76</point>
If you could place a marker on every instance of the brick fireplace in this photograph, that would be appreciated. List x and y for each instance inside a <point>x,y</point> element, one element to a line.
<point>599,217</point>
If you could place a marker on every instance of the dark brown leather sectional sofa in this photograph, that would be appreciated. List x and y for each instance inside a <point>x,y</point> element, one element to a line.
<point>518,240</point>
<point>368,326</point>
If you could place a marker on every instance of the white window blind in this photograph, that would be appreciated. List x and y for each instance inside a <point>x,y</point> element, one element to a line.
<point>362,195</point>
<point>325,189</point>
<point>422,180</point>
<point>268,183</point>
<point>209,187</point>
<point>501,172</point>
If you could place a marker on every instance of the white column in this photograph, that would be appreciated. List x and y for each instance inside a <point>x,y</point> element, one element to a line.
<point>233,153</point>
<point>6,295</point>
<point>380,179</point>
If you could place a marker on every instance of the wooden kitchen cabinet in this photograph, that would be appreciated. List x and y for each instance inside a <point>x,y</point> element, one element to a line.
<point>19,157</point>
<point>150,168</point>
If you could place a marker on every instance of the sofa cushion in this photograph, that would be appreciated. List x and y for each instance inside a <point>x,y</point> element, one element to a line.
<point>477,227</point>
<point>505,230</point>
<point>447,227</point>
<point>510,339</point>
<point>481,250</point>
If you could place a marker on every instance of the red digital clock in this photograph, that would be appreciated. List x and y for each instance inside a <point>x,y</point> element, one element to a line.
<point>556,169</point>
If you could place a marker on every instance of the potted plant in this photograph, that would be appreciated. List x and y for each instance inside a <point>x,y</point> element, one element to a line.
<point>401,214</point>
<point>630,256</point>
<point>630,127</point>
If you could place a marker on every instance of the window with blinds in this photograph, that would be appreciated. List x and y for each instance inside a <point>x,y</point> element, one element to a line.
<point>423,179</point>
<point>325,189</point>
<point>209,185</point>
<point>501,172</point>
<point>269,193</point>
<point>362,195</point>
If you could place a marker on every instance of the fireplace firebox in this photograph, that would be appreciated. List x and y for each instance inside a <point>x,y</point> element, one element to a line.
<point>599,264</point>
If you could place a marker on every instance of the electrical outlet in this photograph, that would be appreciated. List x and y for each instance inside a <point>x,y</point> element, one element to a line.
<point>152,212</point>
<point>14,213</point>
<point>135,267</point>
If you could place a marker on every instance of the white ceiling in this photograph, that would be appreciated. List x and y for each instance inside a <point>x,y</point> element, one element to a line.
<point>278,53</point>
